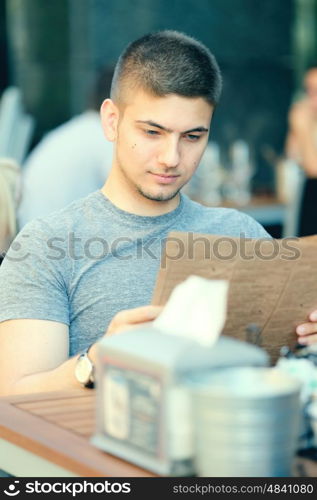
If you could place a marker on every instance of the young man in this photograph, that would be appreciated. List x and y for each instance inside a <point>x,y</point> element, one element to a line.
<point>90,268</point>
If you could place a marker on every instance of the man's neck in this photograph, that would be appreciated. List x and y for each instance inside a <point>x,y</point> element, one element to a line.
<point>134,202</point>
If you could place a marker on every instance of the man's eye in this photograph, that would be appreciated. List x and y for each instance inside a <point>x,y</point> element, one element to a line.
<point>193,137</point>
<point>151,132</point>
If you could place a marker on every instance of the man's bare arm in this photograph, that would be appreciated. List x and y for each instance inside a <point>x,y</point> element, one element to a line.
<point>34,357</point>
<point>34,353</point>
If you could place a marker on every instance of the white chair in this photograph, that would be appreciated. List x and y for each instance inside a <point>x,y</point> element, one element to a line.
<point>10,177</point>
<point>16,126</point>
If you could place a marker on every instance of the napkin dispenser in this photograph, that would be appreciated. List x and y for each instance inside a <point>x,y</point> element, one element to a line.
<point>143,411</point>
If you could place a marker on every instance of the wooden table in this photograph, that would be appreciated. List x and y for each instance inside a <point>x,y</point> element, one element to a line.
<point>48,435</point>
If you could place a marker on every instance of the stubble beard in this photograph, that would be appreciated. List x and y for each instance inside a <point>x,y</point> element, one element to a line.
<point>149,196</point>
<point>157,197</point>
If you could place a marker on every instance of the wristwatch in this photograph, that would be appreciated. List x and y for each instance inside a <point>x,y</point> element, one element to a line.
<point>84,370</point>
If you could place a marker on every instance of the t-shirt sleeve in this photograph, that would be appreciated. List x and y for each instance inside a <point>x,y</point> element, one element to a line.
<point>32,279</point>
<point>252,228</point>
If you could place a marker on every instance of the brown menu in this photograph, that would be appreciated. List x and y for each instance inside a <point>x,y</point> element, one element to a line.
<point>272,283</point>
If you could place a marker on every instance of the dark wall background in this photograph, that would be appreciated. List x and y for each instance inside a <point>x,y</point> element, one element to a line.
<point>56,48</point>
<point>38,41</point>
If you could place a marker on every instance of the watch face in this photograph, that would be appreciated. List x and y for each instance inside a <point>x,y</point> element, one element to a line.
<point>84,369</point>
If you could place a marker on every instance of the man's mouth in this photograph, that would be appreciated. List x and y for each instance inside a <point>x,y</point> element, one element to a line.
<point>165,178</point>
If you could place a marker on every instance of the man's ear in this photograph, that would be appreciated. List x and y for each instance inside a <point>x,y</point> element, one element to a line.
<point>109,118</point>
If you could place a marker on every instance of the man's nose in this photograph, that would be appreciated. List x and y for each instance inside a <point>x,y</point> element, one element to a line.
<point>169,155</point>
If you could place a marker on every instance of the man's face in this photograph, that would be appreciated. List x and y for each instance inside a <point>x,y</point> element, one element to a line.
<point>311,88</point>
<point>159,143</point>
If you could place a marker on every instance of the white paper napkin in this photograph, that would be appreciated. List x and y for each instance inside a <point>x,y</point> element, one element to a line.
<point>196,309</point>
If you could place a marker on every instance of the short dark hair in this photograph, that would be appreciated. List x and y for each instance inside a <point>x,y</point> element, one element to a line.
<point>168,62</point>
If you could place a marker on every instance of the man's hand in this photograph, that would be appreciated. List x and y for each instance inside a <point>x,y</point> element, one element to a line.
<point>307,332</point>
<point>131,318</point>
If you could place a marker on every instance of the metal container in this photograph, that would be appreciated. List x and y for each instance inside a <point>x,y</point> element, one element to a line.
<point>246,422</point>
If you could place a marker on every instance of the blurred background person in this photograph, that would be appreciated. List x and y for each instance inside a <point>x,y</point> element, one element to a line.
<point>301,146</point>
<point>70,161</point>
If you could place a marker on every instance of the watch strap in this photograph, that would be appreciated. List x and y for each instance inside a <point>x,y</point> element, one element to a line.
<point>90,383</point>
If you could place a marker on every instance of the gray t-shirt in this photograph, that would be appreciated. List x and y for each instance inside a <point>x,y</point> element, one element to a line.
<point>84,263</point>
